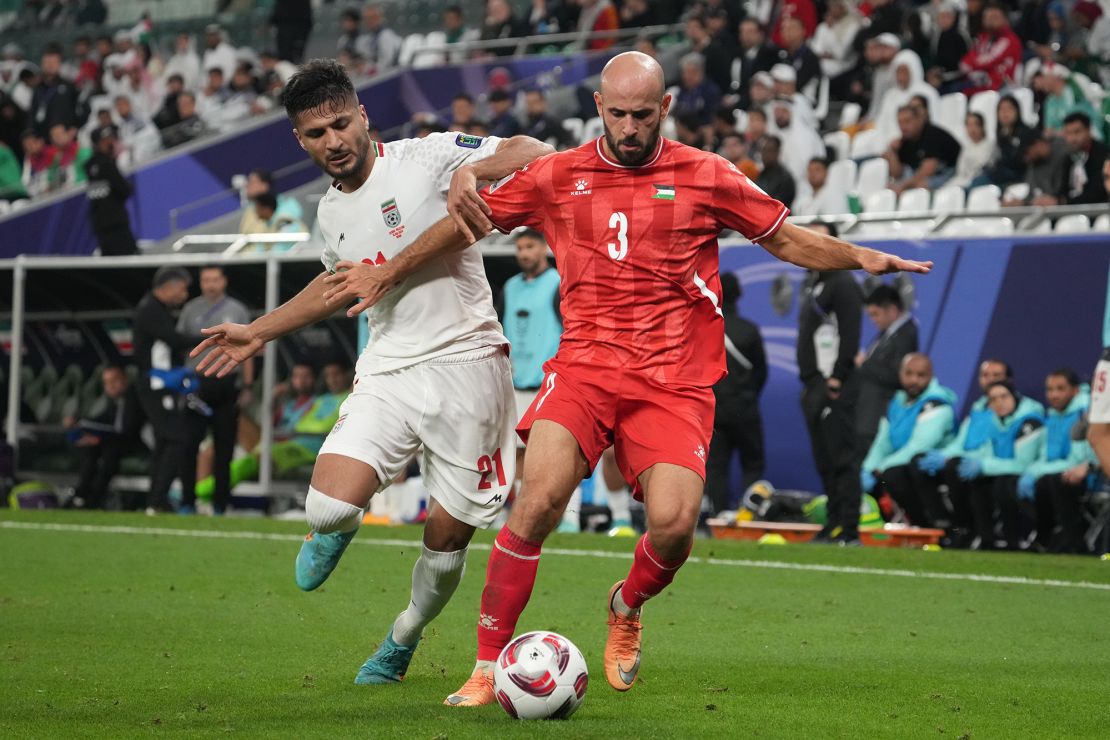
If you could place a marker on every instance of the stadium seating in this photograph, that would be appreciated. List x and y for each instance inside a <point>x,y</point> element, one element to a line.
<point>1101,223</point>
<point>849,114</point>
<point>838,144</point>
<point>914,199</point>
<point>880,201</point>
<point>593,129</point>
<point>949,199</point>
<point>984,198</point>
<point>1073,223</point>
<point>576,128</point>
<point>953,111</point>
<point>986,105</point>
<point>842,176</point>
<point>867,144</point>
<point>873,175</point>
<point>1017,191</point>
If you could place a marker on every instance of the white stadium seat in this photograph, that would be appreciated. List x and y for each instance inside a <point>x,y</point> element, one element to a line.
<point>1017,191</point>
<point>984,198</point>
<point>1024,97</point>
<point>914,199</point>
<point>983,226</point>
<point>840,142</point>
<point>953,110</point>
<point>574,127</point>
<point>1102,223</point>
<point>1073,223</point>
<point>873,175</point>
<point>412,44</point>
<point>949,199</point>
<point>867,144</point>
<point>986,105</point>
<point>849,114</point>
<point>842,176</point>
<point>881,201</point>
<point>593,129</point>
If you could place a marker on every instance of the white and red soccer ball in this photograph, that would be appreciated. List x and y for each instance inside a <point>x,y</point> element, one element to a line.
<point>540,675</point>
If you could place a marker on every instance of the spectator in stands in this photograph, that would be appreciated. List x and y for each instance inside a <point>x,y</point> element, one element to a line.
<point>501,23</point>
<point>716,53</point>
<point>1079,51</point>
<point>829,315</point>
<point>138,135</point>
<point>919,418</point>
<point>734,148</point>
<point>1083,168</point>
<point>989,477</point>
<point>597,16</point>
<point>350,28</point>
<point>55,98</point>
<point>13,122</point>
<point>993,61</point>
<point>212,96</point>
<point>273,221</point>
<point>462,112</point>
<point>478,127</point>
<point>160,349</point>
<point>218,52</point>
<point>190,125</point>
<point>976,151</point>
<point>774,179</point>
<point>1012,139</point>
<point>879,365</point>
<point>819,199</point>
<point>11,175</point>
<point>82,68</point>
<point>803,11</point>
<point>737,424</point>
<point>292,22</point>
<point>69,157</point>
<point>796,53</point>
<point>223,396</point>
<point>761,91</point>
<point>876,77</point>
<point>689,131</point>
<point>1063,96</point>
<point>185,63</point>
<point>786,88</point>
<point>638,13</point>
<point>37,159</point>
<point>756,55</point>
<point>909,82</point>
<point>755,133</point>
<point>110,432</point>
<point>272,74</point>
<point>379,44</point>
<point>832,42</point>
<point>697,96</point>
<point>541,125</point>
<point>502,121</point>
<point>167,114</point>
<point>1057,479</point>
<point>108,192</point>
<point>801,142</point>
<point>948,44</point>
<point>925,155</point>
<point>1045,169</point>
<point>454,32</point>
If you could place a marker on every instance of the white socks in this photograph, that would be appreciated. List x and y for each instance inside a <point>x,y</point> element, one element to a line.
<point>619,507</point>
<point>622,608</point>
<point>435,577</point>
<point>326,514</point>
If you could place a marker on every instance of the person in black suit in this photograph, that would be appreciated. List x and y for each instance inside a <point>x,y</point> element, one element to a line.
<point>105,437</point>
<point>757,54</point>
<point>878,365</point>
<point>737,426</point>
<point>1083,168</point>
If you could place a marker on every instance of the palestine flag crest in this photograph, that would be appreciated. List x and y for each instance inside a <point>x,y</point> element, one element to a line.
<point>663,192</point>
<point>391,214</point>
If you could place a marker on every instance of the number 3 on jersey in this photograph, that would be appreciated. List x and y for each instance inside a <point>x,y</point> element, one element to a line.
<point>487,466</point>
<point>619,250</point>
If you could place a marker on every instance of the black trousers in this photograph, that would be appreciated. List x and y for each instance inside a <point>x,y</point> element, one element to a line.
<point>738,427</point>
<point>831,434</point>
<point>163,412</point>
<point>291,41</point>
<point>98,464</point>
<point>117,240</point>
<point>1059,507</point>
<point>918,494</point>
<point>222,396</point>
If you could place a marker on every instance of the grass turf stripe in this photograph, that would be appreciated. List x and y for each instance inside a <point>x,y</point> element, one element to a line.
<point>767,564</point>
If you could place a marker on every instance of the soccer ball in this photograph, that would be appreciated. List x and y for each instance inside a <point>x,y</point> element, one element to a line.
<point>540,675</point>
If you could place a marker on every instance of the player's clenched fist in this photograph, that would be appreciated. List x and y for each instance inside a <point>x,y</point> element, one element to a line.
<point>357,280</point>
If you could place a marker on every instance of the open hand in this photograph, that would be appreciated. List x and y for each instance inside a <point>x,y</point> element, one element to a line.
<point>230,345</point>
<point>357,280</point>
<point>466,206</point>
<point>881,263</point>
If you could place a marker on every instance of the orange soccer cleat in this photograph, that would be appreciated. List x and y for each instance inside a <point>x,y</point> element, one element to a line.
<point>622,648</point>
<point>476,692</point>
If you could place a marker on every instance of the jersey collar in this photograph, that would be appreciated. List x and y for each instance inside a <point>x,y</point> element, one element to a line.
<point>650,162</point>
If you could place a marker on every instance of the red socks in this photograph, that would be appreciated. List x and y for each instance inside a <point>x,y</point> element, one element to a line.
<point>650,574</point>
<point>510,575</point>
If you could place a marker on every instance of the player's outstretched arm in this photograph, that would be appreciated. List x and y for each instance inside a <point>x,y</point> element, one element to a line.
<point>805,248</point>
<point>463,202</point>
<point>233,344</point>
<point>369,283</point>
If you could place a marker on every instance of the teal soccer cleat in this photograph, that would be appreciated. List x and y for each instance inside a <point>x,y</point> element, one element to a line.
<point>387,665</point>
<point>318,557</point>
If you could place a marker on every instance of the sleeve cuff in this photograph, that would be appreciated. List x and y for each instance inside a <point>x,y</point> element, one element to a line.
<point>773,228</point>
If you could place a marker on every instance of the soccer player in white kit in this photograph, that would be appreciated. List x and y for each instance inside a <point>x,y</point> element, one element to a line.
<point>436,372</point>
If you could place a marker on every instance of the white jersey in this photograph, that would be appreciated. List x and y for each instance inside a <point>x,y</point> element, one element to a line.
<point>446,306</point>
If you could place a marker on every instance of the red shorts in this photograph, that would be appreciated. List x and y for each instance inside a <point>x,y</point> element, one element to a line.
<point>645,422</point>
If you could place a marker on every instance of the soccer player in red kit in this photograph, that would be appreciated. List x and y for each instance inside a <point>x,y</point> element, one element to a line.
<point>633,219</point>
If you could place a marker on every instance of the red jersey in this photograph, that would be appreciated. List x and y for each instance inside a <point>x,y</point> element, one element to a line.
<point>636,249</point>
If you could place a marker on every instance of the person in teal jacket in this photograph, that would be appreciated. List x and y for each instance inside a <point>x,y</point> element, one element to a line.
<point>988,479</point>
<point>1057,479</point>
<point>919,418</point>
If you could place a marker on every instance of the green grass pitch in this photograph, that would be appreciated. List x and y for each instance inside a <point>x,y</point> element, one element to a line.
<point>136,632</point>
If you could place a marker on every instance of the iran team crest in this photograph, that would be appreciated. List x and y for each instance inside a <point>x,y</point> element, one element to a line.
<point>391,214</point>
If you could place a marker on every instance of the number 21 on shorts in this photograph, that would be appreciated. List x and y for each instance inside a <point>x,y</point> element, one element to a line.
<point>488,466</point>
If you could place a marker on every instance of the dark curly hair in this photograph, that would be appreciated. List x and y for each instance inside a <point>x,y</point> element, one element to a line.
<point>321,84</point>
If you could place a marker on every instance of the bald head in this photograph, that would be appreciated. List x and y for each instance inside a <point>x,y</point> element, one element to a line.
<point>634,74</point>
<point>632,104</point>
<point>915,374</point>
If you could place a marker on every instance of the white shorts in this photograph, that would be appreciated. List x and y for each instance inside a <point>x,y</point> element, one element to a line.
<point>1099,412</point>
<point>523,401</point>
<point>460,407</point>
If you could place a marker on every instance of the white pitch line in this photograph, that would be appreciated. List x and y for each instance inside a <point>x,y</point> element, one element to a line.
<point>766,564</point>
